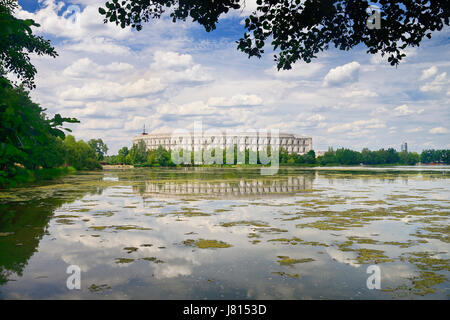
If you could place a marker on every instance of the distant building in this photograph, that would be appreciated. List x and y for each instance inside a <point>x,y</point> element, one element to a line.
<point>404,147</point>
<point>245,140</point>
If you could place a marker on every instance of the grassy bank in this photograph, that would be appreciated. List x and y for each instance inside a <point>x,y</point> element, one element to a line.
<point>19,176</point>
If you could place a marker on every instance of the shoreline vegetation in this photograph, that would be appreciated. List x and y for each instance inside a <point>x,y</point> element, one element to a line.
<point>33,146</point>
<point>344,168</point>
<point>250,166</point>
<point>20,177</point>
<point>139,156</point>
<point>51,161</point>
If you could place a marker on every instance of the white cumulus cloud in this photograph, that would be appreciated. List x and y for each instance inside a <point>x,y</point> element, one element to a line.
<point>438,84</point>
<point>404,110</point>
<point>343,75</point>
<point>439,130</point>
<point>236,100</point>
<point>428,73</point>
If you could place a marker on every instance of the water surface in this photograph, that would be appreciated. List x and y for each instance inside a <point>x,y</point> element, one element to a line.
<point>229,234</point>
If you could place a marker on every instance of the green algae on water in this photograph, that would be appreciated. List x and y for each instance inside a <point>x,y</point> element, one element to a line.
<point>287,261</point>
<point>206,244</point>
<point>270,230</point>
<point>152,259</point>
<point>292,241</point>
<point>65,221</point>
<point>285,274</point>
<point>190,212</point>
<point>5,234</point>
<point>366,256</point>
<point>98,288</point>
<point>65,216</point>
<point>124,260</point>
<point>125,227</point>
<point>244,223</point>
<point>131,249</point>
<point>361,240</point>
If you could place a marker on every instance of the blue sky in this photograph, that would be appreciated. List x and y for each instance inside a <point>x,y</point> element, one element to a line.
<point>169,75</point>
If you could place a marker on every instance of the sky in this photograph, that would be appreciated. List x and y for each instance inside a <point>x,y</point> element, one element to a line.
<point>170,75</point>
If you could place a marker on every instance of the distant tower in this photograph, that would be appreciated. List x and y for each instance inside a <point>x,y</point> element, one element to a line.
<point>143,131</point>
<point>404,147</point>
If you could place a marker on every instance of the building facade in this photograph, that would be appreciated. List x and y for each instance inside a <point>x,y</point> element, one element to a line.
<point>243,140</point>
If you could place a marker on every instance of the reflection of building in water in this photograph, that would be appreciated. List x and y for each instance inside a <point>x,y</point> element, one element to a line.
<point>245,140</point>
<point>236,189</point>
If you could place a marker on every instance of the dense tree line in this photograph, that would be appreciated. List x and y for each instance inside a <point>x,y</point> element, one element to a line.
<point>435,156</point>
<point>138,155</point>
<point>390,156</point>
<point>33,145</point>
<point>29,139</point>
<point>292,158</point>
<point>45,159</point>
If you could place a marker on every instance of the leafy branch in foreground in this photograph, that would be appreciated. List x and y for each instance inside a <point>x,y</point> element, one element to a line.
<point>27,135</point>
<point>299,29</point>
<point>17,42</point>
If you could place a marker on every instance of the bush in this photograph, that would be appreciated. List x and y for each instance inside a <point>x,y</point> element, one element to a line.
<point>18,175</point>
<point>80,155</point>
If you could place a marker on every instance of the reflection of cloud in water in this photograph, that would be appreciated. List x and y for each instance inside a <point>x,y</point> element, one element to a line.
<point>346,257</point>
<point>264,292</point>
<point>171,270</point>
<point>245,270</point>
<point>89,253</point>
<point>392,273</point>
<point>437,196</point>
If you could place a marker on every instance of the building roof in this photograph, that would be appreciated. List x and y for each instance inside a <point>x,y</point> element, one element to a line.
<point>220,132</point>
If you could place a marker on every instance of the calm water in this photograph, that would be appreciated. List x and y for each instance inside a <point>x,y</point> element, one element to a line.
<point>228,234</point>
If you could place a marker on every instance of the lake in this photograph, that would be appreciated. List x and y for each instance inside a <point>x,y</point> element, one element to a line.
<point>209,233</point>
